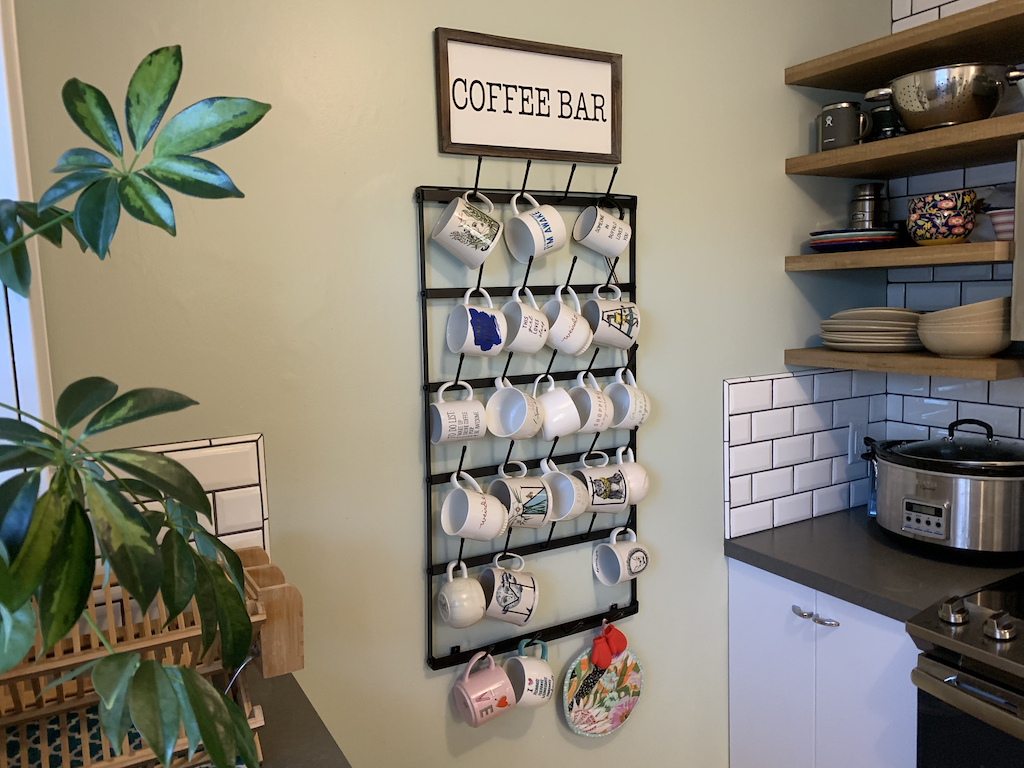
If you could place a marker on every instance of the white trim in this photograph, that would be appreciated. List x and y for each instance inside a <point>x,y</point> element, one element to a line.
<point>19,141</point>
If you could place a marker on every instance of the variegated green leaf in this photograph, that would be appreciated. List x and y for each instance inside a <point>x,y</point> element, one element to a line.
<point>146,202</point>
<point>69,185</point>
<point>29,214</point>
<point>212,718</point>
<point>163,473</point>
<point>82,397</point>
<point>149,92</point>
<point>97,212</point>
<point>44,532</point>
<point>15,269</point>
<point>17,498</point>
<point>90,110</point>
<point>17,634</point>
<point>134,405</point>
<point>245,744</point>
<point>192,176</point>
<point>154,708</point>
<point>67,583</point>
<point>208,124</point>
<point>79,158</point>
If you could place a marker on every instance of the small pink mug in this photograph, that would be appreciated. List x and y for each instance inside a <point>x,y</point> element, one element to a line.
<point>485,694</point>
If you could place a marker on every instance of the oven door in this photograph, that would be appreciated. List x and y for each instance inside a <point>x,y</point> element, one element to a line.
<point>964,720</point>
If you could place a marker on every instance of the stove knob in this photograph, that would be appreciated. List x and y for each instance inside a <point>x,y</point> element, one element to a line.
<point>1000,626</point>
<point>953,611</point>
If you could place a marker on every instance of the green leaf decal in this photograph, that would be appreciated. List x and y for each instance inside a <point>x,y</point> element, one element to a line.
<point>29,214</point>
<point>43,534</point>
<point>244,742</point>
<point>212,717</point>
<point>23,433</point>
<point>146,202</point>
<point>208,124</point>
<point>69,185</point>
<point>16,457</point>
<point>77,159</point>
<point>18,635</point>
<point>179,577</point>
<point>154,708</point>
<point>17,499</point>
<point>97,212</point>
<point>111,678</point>
<point>134,405</point>
<point>206,601</point>
<point>91,112</point>
<point>126,540</point>
<point>163,473</point>
<point>149,92</point>
<point>15,269</point>
<point>192,176</point>
<point>82,397</point>
<point>188,719</point>
<point>67,583</point>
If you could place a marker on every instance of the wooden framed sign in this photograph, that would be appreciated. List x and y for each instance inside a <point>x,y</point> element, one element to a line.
<point>501,97</point>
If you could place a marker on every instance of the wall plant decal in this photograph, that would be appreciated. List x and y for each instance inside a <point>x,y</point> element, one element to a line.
<point>47,541</point>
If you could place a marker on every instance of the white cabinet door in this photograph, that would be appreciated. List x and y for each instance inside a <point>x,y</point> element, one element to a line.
<point>771,671</point>
<point>865,704</point>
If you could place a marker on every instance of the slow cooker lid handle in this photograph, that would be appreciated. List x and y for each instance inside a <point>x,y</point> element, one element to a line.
<point>989,432</point>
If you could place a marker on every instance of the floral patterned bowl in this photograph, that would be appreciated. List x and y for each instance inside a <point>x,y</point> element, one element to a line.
<point>946,227</point>
<point>961,200</point>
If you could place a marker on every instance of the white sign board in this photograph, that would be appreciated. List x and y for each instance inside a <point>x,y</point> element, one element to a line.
<point>511,98</point>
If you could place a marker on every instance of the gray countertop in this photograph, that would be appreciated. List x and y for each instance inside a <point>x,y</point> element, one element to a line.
<point>847,555</point>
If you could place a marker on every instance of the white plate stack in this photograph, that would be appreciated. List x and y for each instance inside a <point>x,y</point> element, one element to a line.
<point>973,330</point>
<point>872,329</point>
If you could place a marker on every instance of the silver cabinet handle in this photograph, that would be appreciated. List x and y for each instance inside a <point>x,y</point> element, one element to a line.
<point>802,613</point>
<point>824,622</point>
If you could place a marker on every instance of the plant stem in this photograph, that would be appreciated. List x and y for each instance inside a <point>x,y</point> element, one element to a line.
<point>134,161</point>
<point>33,232</point>
<point>99,634</point>
<point>30,416</point>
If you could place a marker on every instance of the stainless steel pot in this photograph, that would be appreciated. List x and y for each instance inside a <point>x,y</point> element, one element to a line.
<point>958,491</point>
<point>959,93</point>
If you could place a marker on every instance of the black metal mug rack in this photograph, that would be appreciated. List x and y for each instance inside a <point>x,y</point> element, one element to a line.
<point>433,345</point>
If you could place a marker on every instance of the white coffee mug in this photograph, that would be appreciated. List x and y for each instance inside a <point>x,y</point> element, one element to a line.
<point>513,414</point>
<point>460,601</point>
<point>535,232</point>
<point>528,499</point>
<point>569,495</point>
<point>606,484</point>
<point>601,231</point>
<point>511,594</point>
<point>594,406</point>
<point>569,330</point>
<point>532,678</point>
<point>453,421</point>
<point>467,232</point>
<point>476,330</point>
<point>615,323</point>
<point>560,415</point>
<point>637,480</point>
<point>527,325</point>
<point>632,405</point>
<point>618,561</point>
<point>472,514</point>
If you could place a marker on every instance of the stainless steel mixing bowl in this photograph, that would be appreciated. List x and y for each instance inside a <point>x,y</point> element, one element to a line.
<point>959,93</point>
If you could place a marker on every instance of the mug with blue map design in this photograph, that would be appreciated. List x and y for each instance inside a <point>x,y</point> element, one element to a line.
<point>473,330</point>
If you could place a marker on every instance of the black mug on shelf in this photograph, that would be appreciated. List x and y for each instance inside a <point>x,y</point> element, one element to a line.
<point>885,123</point>
<point>842,125</point>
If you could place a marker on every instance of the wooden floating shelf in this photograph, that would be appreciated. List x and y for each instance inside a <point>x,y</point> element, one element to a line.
<point>993,32</point>
<point>924,363</point>
<point>942,149</point>
<point>914,256</point>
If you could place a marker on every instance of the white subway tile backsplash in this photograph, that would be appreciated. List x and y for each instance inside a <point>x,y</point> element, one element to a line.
<point>247,539</point>
<point>239,510</point>
<point>917,6</point>
<point>812,418</point>
<point>899,208</point>
<point>225,466</point>
<point>1008,392</point>
<point>935,182</point>
<point>747,459</point>
<point>846,412</point>
<point>796,391</point>
<point>1002,271</point>
<point>832,443</point>
<point>792,450</point>
<point>868,383</point>
<point>931,297</point>
<point>900,9</point>
<point>751,518</point>
<point>896,295</point>
<point>859,492</point>
<point>988,175</point>
<point>964,272</point>
<point>767,425</point>
<point>915,21</point>
<point>928,411</point>
<point>835,498</point>
<point>894,407</point>
<point>956,7</point>
<point>910,275</point>
<point>739,491</point>
<point>807,477</point>
<point>1004,420</point>
<point>770,485</point>
<point>993,289</point>
<point>908,384</point>
<point>750,396</point>
<point>792,509</point>
<point>833,386</point>
<point>876,431</point>
<point>894,430</point>
<point>877,408</point>
<point>959,389</point>
<point>739,429</point>
<point>843,471</point>
<point>898,187</point>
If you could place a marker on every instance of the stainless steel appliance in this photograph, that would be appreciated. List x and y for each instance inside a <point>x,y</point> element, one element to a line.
<point>970,678</point>
<point>959,491</point>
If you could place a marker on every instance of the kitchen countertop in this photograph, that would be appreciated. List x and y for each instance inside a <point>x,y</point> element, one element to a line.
<point>847,555</point>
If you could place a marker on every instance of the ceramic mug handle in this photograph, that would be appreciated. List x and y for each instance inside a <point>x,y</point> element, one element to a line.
<point>451,568</point>
<point>551,382</point>
<point>483,292</point>
<point>465,385</point>
<point>616,291</point>
<point>480,196</point>
<point>472,663</point>
<point>588,454</point>
<point>522,562</point>
<point>629,533</point>
<point>502,473</point>
<point>472,481</point>
<point>526,641</point>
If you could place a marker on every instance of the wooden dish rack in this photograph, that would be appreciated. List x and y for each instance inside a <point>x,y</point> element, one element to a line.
<point>59,727</point>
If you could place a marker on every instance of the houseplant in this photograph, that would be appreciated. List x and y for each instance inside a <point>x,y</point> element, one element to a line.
<point>47,555</point>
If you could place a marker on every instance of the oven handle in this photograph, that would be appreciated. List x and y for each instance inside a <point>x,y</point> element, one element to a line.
<point>970,698</point>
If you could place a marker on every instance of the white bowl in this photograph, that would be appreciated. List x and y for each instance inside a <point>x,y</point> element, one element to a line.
<point>965,344</point>
<point>969,310</point>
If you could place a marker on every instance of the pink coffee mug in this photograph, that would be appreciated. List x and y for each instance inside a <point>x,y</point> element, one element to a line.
<point>485,694</point>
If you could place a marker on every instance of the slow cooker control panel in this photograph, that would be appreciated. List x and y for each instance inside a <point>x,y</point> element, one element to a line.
<point>926,519</point>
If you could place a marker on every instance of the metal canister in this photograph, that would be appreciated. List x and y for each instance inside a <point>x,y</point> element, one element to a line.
<point>869,207</point>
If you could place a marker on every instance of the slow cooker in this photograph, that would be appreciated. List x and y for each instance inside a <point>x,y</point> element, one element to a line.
<point>960,491</point>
